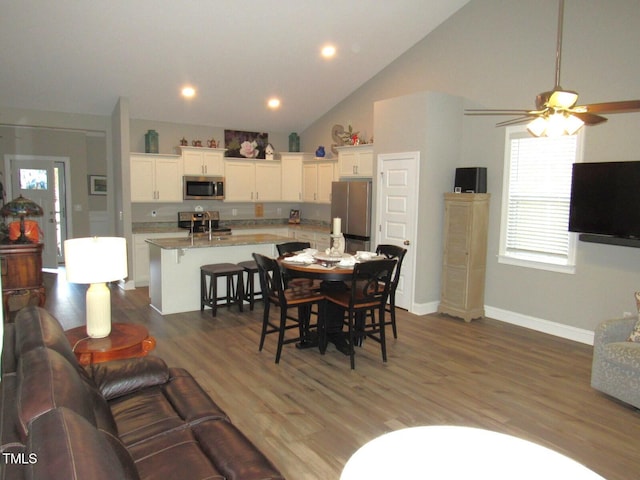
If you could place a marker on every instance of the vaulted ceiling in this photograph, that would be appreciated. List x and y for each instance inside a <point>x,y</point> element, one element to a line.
<point>81,56</point>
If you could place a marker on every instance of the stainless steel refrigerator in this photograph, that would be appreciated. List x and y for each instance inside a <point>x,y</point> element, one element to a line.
<point>351,201</point>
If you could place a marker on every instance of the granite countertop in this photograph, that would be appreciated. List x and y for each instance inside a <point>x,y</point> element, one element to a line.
<point>202,241</point>
<point>170,227</point>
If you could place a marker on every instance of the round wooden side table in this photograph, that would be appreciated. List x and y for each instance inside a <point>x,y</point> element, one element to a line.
<point>126,340</point>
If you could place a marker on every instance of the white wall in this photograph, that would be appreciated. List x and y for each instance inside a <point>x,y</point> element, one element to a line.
<point>500,54</point>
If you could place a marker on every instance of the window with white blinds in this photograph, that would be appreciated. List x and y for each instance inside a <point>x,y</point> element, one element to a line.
<point>536,195</point>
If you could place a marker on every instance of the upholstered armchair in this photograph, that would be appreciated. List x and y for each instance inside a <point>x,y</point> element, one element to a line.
<point>616,362</point>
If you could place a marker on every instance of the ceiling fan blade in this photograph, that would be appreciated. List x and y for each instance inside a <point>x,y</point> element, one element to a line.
<point>494,111</point>
<point>589,118</point>
<point>515,121</point>
<point>625,106</point>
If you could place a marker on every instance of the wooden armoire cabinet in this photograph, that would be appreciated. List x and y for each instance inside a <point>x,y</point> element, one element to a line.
<point>21,276</point>
<point>466,221</point>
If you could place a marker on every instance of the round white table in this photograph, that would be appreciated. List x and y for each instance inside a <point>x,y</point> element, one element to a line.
<point>459,453</point>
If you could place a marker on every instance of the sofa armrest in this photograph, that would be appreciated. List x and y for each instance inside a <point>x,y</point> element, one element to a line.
<point>614,330</point>
<point>121,377</point>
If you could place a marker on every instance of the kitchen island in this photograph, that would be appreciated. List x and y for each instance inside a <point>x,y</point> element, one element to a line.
<point>174,265</point>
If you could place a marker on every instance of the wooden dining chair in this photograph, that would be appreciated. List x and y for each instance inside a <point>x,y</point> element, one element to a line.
<point>275,293</point>
<point>291,247</point>
<point>368,294</point>
<point>397,253</point>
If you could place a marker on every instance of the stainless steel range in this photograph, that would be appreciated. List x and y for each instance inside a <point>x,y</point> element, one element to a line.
<point>198,222</point>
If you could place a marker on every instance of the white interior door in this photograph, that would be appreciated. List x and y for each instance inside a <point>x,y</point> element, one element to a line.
<point>397,212</point>
<point>42,181</point>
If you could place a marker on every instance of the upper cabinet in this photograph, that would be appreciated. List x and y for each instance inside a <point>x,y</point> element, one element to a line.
<point>155,178</point>
<point>252,180</point>
<point>203,161</point>
<point>292,175</point>
<point>317,177</point>
<point>355,160</point>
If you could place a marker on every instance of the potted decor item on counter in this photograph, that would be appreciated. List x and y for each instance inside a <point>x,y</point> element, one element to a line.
<point>320,151</point>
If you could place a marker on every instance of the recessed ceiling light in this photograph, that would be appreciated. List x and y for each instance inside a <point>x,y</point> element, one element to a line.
<point>328,51</point>
<point>188,92</point>
<point>273,103</point>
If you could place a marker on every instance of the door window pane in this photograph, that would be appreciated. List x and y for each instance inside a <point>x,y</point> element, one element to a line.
<point>33,179</point>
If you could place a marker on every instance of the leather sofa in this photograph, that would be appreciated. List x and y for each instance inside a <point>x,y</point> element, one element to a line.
<point>616,362</point>
<point>124,419</point>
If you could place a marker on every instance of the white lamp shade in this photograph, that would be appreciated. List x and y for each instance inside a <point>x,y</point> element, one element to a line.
<point>95,259</point>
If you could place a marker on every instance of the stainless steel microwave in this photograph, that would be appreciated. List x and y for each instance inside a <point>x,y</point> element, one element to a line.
<point>203,188</point>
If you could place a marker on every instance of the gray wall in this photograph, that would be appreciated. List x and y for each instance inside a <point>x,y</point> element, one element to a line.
<point>500,54</point>
<point>80,137</point>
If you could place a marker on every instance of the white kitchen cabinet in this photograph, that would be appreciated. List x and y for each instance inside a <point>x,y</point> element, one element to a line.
<point>155,178</point>
<point>316,181</point>
<point>355,161</point>
<point>268,176</point>
<point>203,161</point>
<point>252,181</point>
<point>291,163</point>
<point>141,254</point>
<point>318,240</point>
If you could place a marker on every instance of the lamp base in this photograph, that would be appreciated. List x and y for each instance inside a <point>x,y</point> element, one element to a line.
<point>98,310</point>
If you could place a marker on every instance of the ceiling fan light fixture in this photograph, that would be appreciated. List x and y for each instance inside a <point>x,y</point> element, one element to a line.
<point>537,126</point>
<point>562,99</point>
<point>555,125</point>
<point>573,124</point>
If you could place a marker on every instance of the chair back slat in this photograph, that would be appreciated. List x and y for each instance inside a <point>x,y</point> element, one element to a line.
<point>393,252</point>
<point>371,282</point>
<point>270,276</point>
<point>291,247</point>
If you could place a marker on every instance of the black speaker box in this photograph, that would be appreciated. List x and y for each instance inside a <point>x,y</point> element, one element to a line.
<point>471,180</point>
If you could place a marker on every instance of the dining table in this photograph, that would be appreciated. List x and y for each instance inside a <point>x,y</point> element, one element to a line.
<point>332,274</point>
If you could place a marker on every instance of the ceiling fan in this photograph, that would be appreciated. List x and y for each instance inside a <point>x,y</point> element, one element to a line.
<point>556,112</point>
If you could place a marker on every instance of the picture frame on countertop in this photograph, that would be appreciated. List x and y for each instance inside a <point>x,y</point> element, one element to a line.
<point>294,216</point>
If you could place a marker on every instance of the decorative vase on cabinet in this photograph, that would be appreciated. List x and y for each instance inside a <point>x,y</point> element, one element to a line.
<point>465,255</point>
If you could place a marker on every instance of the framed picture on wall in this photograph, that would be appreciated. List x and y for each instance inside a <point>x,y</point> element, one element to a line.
<point>97,185</point>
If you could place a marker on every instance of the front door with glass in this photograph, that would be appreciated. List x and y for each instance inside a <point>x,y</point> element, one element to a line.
<point>43,181</point>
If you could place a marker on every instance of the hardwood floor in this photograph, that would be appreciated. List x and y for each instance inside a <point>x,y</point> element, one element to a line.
<point>311,412</point>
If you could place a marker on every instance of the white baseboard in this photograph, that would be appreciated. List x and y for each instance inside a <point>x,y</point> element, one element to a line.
<point>552,328</point>
<point>538,324</point>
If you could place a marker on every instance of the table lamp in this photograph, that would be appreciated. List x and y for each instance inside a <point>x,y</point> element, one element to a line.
<point>21,207</point>
<point>96,260</point>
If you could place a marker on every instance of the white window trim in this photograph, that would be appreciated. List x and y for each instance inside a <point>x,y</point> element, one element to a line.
<point>539,262</point>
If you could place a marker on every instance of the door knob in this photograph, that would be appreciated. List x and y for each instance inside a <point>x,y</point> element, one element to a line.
<point>407,242</point>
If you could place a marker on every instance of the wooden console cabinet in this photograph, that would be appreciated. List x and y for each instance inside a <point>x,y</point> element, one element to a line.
<point>465,254</point>
<point>21,276</point>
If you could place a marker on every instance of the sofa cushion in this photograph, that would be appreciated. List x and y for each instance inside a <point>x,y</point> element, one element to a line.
<point>121,377</point>
<point>35,327</point>
<point>11,438</point>
<point>67,447</point>
<point>156,458</point>
<point>232,452</point>
<point>46,381</point>
<point>156,410</point>
<point>9,348</point>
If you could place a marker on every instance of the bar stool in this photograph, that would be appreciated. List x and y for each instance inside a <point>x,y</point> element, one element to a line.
<point>250,294</point>
<point>209,294</point>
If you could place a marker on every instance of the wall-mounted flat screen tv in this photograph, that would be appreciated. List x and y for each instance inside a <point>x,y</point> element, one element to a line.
<point>605,199</point>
